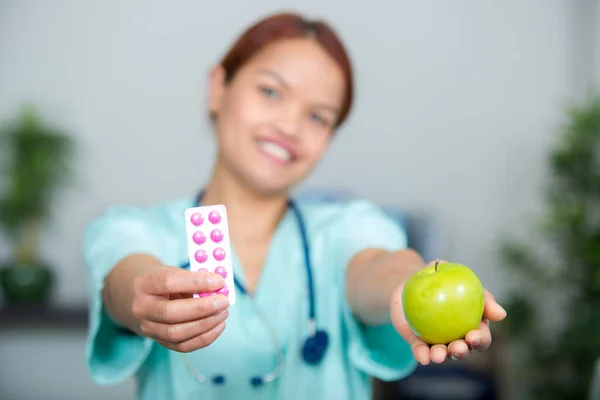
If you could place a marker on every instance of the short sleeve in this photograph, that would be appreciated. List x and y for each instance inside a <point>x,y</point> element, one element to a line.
<point>112,353</point>
<point>378,351</point>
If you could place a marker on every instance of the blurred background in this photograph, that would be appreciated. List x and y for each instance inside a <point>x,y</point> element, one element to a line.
<point>474,124</point>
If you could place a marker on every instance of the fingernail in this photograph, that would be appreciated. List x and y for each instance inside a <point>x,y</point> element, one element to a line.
<point>221,302</point>
<point>221,327</point>
<point>222,316</point>
<point>215,282</point>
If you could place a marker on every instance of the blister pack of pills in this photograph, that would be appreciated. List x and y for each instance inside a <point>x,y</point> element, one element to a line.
<point>209,246</point>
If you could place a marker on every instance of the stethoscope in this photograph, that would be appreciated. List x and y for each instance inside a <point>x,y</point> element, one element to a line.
<point>314,347</point>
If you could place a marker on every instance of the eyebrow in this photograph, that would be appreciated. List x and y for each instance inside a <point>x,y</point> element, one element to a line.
<point>275,75</point>
<point>283,83</point>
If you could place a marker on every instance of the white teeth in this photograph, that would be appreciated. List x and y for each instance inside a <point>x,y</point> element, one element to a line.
<point>276,151</point>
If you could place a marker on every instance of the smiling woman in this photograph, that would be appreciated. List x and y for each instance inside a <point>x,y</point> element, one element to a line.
<point>284,79</point>
<point>319,308</point>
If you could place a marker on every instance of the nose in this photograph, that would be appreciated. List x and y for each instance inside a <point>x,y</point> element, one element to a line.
<point>288,121</point>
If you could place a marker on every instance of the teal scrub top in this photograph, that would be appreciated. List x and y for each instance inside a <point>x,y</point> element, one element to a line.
<point>336,232</point>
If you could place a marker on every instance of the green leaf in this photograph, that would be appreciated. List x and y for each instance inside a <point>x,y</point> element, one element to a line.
<point>37,164</point>
<point>520,259</point>
<point>521,315</point>
<point>559,365</point>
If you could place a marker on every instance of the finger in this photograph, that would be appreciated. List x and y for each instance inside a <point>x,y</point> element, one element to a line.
<point>479,339</point>
<point>419,348</point>
<point>492,310</point>
<point>176,280</point>
<point>178,333</point>
<point>439,353</point>
<point>197,342</point>
<point>458,350</point>
<point>183,310</point>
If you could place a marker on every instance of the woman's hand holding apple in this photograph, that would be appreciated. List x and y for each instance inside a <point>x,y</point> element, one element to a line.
<point>449,312</point>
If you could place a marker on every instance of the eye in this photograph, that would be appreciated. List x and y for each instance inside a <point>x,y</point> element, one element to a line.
<point>319,119</point>
<point>270,92</point>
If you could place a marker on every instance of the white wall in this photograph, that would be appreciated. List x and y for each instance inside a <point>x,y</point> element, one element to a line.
<point>457,104</point>
<point>583,50</point>
<point>596,44</point>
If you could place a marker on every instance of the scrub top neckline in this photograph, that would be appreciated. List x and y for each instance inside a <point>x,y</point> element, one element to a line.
<point>276,241</point>
<point>262,284</point>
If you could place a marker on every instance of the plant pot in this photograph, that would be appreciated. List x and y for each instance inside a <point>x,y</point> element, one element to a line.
<point>26,284</point>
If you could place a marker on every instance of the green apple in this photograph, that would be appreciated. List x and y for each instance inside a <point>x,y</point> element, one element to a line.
<point>443,302</point>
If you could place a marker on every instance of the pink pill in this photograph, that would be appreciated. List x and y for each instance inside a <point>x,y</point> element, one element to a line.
<point>221,271</point>
<point>200,256</point>
<point>224,291</point>
<point>214,217</point>
<point>197,219</point>
<point>219,254</point>
<point>205,294</point>
<point>216,235</point>
<point>199,237</point>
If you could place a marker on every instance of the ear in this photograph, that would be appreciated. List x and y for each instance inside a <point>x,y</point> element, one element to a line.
<point>216,89</point>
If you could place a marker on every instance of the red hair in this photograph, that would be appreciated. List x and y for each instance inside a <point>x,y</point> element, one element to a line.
<point>290,26</point>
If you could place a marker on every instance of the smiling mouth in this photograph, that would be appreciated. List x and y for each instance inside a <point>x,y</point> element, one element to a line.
<point>276,152</point>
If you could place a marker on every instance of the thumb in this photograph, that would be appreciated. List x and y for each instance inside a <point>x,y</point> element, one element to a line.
<point>492,310</point>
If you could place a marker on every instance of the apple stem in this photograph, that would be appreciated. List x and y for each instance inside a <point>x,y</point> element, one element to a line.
<point>435,267</point>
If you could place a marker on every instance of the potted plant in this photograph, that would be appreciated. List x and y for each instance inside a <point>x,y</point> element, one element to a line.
<point>559,340</point>
<point>35,162</point>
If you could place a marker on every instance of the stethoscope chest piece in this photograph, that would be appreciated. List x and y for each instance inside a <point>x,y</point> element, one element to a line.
<point>315,347</point>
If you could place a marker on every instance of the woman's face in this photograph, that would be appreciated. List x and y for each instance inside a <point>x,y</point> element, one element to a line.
<point>274,120</point>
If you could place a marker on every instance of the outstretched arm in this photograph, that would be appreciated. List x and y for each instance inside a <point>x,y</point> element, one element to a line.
<point>374,282</point>
<point>373,275</point>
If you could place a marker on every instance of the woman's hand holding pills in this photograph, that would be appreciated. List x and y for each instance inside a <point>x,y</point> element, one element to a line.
<point>165,310</point>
